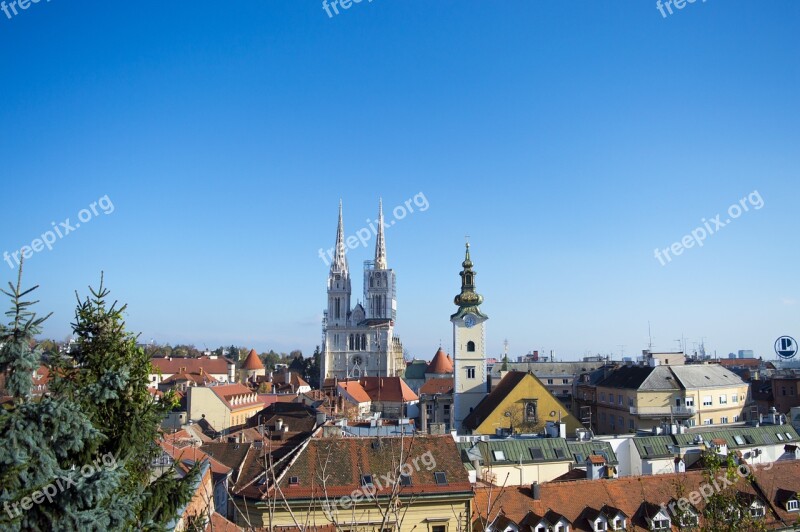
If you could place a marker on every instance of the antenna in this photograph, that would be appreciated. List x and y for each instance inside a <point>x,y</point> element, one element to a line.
<point>621,351</point>
<point>649,335</point>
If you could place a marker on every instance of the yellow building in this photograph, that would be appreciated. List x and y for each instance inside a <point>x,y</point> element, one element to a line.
<point>362,484</point>
<point>224,406</point>
<point>641,397</point>
<point>519,404</point>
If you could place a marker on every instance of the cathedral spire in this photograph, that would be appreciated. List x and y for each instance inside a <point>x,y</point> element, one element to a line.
<point>380,242</point>
<point>339,264</point>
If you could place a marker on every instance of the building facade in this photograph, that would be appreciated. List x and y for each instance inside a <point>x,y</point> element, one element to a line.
<point>359,341</point>
<point>469,346</point>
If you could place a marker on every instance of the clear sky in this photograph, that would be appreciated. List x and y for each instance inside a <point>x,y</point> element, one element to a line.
<point>569,139</point>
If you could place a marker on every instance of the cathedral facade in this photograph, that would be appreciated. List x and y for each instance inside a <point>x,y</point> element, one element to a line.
<point>359,341</point>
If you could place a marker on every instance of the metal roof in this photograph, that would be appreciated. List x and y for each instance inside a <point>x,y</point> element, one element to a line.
<point>587,448</point>
<point>518,450</point>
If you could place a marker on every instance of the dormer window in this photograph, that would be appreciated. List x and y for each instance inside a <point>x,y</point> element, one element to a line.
<point>599,525</point>
<point>757,510</point>
<point>618,524</point>
<point>660,524</point>
<point>792,505</point>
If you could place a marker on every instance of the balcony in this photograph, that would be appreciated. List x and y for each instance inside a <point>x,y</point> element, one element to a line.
<point>663,411</point>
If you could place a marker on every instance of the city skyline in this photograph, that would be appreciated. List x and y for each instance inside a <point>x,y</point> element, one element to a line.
<point>574,145</point>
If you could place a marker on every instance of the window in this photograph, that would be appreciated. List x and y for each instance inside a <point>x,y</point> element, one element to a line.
<point>738,439</point>
<point>621,422</point>
<point>735,398</point>
<point>441,478</point>
<point>531,413</point>
<point>788,436</point>
<point>749,439</point>
<point>723,399</point>
<point>579,458</point>
<point>709,421</point>
<point>611,398</point>
<point>470,346</point>
<point>366,481</point>
<point>499,455</point>
<point>708,400</point>
<point>294,481</point>
<point>648,449</point>
<point>405,479</point>
<point>619,400</point>
<point>560,453</point>
<point>564,381</point>
<point>661,524</point>
<point>792,505</point>
<point>630,401</point>
<point>537,454</point>
<point>689,401</point>
<point>603,397</point>
<point>723,419</point>
<point>735,419</point>
<point>471,372</point>
<point>439,528</point>
<point>779,435</point>
<point>631,425</point>
<point>618,524</point>
<point>599,525</point>
<point>549,381</point>
<point>757,510</point>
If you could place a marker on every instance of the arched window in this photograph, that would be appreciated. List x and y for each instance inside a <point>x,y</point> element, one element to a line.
<point>363,342</point>
<point>470,347</point>
<point>351,342</point>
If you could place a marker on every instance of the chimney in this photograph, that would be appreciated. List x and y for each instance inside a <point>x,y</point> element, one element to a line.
<point>536,491</point>
<point>331,431</point>
<point>279,424</point>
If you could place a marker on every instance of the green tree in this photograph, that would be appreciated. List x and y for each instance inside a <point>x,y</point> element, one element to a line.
<point>107,374</point>
<point>50,478</point>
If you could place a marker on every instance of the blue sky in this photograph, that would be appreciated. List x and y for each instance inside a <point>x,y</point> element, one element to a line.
<point>568,139</point>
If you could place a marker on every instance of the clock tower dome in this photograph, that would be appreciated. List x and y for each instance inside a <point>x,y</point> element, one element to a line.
<point>469,346</point>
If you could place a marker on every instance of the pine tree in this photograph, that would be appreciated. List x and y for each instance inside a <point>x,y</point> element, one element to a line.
<point>51,475</point>
<point>108,375</point>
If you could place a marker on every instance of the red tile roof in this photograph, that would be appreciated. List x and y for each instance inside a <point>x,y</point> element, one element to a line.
<point>597,460</point>
<point>217,523</point>
<point>435,386</point>
<point>228,393</point>
<point>355,390</point>
<point>441,363</point>
<point>343,461</point>
<point>197,378</point>
<point>252,362</point>
<point>193,454</point>
<point>171,366</point>
<point>629,494</point>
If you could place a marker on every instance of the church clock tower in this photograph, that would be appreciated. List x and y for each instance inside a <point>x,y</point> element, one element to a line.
<point>469,346</point>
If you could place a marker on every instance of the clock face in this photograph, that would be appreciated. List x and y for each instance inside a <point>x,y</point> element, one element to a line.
<point>469,320</point>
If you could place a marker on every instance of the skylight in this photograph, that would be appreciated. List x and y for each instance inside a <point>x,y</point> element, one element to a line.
<point>537,453</point>
<point>441,478</point>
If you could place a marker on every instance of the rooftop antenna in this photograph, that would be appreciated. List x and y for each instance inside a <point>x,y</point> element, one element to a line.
<point>505,347</point>
<point>649,335</point>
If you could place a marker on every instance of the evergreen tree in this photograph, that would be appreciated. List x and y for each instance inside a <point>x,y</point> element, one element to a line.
<point>108,375</point>
<point>51,475</point>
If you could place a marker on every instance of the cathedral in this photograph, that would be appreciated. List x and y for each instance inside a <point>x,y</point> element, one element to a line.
<point>359,341</point>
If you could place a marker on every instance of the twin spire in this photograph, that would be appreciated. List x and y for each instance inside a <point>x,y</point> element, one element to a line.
<point>339,264</point>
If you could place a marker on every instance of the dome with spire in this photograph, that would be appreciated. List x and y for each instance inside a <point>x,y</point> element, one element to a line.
<point>252,362</point>
<point>441,364</point>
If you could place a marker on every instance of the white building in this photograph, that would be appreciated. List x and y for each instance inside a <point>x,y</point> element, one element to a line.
<point>469,346</point>
<point>359,341</point>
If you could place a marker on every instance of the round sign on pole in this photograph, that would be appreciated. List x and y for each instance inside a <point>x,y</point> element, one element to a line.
<point>786,347</point>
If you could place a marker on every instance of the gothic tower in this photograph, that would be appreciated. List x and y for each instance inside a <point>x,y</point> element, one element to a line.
<point>469,346</point>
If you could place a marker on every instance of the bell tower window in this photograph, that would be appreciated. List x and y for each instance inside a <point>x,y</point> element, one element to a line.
<point>470,346</point>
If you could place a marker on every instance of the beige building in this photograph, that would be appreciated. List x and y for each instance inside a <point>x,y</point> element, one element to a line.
<point>641,397</point>
<point>362,484</point>
<point>224,406</point>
